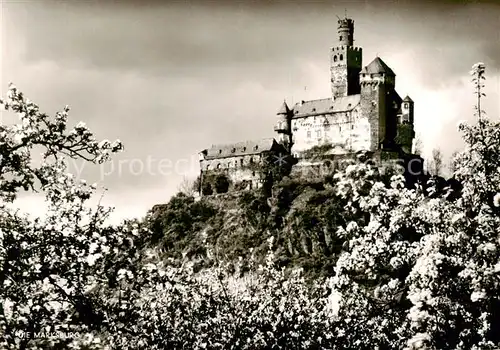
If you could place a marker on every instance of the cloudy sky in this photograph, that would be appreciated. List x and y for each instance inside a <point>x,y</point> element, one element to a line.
<point>171,78</point>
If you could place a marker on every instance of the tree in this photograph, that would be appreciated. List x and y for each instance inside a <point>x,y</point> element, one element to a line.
<point>417,144</point>
<point>423,273</point>
<point>52,267</point>
<point>188,187</point>
<point>436,164</point>
<point>451,165</point>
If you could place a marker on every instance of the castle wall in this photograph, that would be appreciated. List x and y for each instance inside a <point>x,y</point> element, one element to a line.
<point>346,130</point>
<point>237,169</point>
<point>230,162</point>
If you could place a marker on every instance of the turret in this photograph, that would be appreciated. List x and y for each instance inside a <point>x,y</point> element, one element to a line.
<point>377,82</point>
<point>407,111</point>
<point>283,127</point>
<point>345,62</point>
<point>346,32</point>
<point>406,132</point>
<point>378,71</point>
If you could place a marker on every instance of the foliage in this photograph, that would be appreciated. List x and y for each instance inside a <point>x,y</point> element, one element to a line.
<point>177,223</point>
<point>436,164</point>
<point>404,135</point>
<point>221,183</point>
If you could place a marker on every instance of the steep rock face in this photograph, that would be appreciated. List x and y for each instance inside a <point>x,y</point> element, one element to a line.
<point>302,217</point>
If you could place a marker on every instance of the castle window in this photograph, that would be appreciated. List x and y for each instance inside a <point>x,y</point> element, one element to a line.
<point>256,147</point>
<point>235,163</point>
<point>233,150</point>
<point>220,151</point>
<point>244,149</point>
<point>251,160</point>
<point>335,58</point>
<point>340,38</point>
<point>352,127</point>
<point>318,134</point>
<point>340,128</point>
<point>406,105</point>
<point>314,109</point>
<point>341,57</point>
<point>253,173</point>
<point>241,161</point>
<point>308,134</point>
<point>218,166</point>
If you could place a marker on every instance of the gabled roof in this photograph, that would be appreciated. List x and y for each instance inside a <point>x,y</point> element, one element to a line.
<point>239,148</point>
<point>407,99</point>
<point>326,105</point>
<point>378,66</point>
<point>284,109</point>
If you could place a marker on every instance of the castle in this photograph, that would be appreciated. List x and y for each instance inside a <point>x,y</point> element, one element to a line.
<point>363,114</point>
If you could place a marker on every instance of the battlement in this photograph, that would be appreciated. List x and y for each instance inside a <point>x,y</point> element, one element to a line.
<point>370,82</point>
<point>353,48</point>
<point>345,23</point>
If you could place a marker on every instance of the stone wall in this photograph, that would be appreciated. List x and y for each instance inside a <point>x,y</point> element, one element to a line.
<point>345,65</point>
<point>231,162</point>
<point>349,130</point>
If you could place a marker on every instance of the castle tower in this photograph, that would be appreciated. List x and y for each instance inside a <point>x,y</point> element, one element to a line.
<point>377,82</point>
<point>345,61</point>
<point>407,111</point>
<point>406,132</point>
<point>283,127</point>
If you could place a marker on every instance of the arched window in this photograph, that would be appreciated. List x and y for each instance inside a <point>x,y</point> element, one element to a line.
<point>241,161</point>
<point>218,166</point>
<point>335,58</point>
<point>341,57</point>
<point>340,38</point>
<point>251,160</point>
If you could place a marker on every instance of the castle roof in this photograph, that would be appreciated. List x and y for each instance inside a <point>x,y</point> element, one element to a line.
<point>378,66</point>
<point>326,105</point>
<point>284,109</point>
<point>407,99</point>
<point>239,148</point>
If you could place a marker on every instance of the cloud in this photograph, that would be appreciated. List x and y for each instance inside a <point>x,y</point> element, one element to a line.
<point>171,78</point>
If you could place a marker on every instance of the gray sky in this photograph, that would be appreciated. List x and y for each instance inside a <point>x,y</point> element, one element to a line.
<point>171,78</point>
